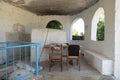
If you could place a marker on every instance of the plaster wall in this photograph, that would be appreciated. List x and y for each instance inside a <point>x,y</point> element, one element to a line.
<point>105,47</point>
<point>117,40</point>
<point>10,15</point>
<point>64,20</point>
<point>54,36</point>
<point>44,37</point>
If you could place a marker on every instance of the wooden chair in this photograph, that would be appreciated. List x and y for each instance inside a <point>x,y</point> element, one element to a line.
<point>73,53</point>
<point>55,54</point>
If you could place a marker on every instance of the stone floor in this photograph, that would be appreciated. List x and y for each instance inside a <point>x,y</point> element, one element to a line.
<point>86,72</point>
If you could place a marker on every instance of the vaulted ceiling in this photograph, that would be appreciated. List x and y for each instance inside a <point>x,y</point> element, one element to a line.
<point>53,7</point>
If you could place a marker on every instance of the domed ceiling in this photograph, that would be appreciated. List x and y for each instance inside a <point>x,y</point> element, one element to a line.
<point>53,7</point>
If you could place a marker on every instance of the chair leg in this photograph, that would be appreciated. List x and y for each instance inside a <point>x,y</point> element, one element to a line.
<point>61,65</point>
<point>50,65</point>
<point>67,64</point>
<point>79,64</point>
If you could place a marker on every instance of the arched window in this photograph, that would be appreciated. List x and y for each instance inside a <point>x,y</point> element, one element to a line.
<point>54,24</point>
<point>78,29</point>
<point>98,24</point>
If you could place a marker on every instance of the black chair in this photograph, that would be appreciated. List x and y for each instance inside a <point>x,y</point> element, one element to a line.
<point>73,53</point>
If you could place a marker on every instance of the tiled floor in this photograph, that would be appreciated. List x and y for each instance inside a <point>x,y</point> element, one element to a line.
<point>86,72</point>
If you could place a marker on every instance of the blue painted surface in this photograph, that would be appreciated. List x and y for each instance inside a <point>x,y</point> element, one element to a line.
<point>6,47</point>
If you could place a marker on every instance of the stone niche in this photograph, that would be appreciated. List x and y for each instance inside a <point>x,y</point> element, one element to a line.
<point>46,36</point>
<point>18,34</point>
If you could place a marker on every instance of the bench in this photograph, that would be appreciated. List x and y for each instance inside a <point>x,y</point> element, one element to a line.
<point>99,62</point>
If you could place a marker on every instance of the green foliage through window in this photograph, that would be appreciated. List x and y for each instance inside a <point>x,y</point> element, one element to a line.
<point>78,30</point>
<point>75,32</point>
<point>100,28</point>
<point>76,35</point>
<point>54,25</point>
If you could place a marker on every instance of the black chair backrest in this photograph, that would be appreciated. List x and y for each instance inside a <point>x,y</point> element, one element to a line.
<point>73,50</point>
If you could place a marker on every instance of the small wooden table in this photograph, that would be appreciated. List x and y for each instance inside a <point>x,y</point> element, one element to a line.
<point>64,45</point>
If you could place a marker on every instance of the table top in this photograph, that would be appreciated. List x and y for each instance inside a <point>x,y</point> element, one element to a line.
<point>56,44</point>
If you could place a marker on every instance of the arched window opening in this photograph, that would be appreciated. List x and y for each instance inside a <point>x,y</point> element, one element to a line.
<point>54,24</point>
<point>98,25</point>
<point>78,30</point>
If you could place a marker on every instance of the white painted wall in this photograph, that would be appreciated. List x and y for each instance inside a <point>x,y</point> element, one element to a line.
<point>10,15</point>
<point>43,21</point>
<point>117,40</point>
<point>105,47</point>
<point>44,37</point>
<point>64,20</point>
